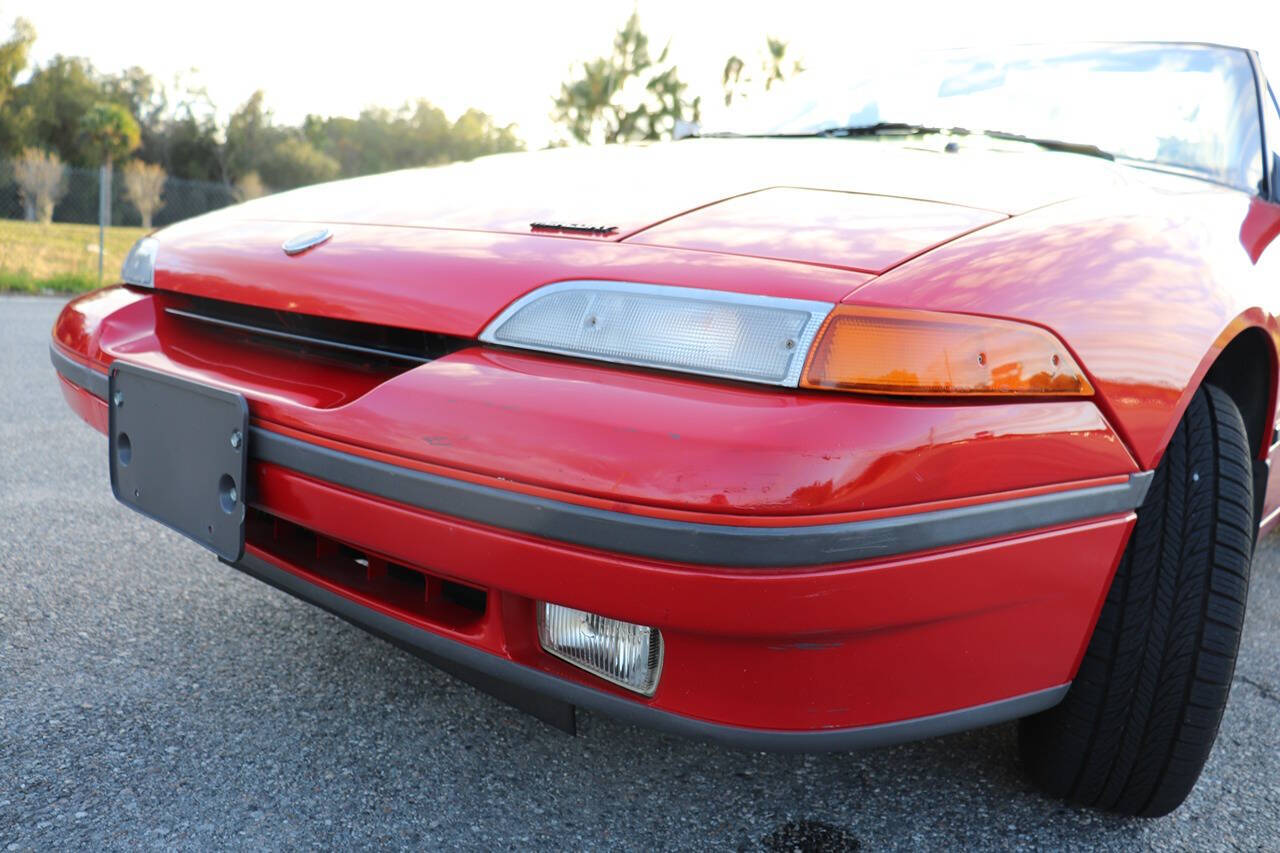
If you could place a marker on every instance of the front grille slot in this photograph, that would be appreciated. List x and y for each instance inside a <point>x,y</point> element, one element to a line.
<point>368,344</point>
<point>409,591</point>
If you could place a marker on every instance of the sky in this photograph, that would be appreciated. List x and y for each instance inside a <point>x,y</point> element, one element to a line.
<point>508,58</point>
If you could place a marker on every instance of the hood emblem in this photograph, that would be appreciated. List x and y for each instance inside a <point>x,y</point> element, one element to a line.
<point>302,242</point>
<point>595,230</point>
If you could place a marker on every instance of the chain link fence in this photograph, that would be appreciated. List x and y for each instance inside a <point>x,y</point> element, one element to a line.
<point>182,199</point>
<point>75,253</point>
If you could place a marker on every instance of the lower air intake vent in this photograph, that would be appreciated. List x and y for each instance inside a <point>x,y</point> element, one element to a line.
<point>411,593</point>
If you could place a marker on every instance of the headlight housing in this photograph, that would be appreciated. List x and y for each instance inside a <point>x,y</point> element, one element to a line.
<point>863,349</point>
<point>140,265</point>
<point>708,332</point>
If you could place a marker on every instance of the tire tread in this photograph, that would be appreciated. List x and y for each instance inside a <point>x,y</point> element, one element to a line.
<point>1137,725</point>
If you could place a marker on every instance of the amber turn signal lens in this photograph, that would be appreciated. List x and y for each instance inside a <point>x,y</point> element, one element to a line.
<point>926,353</point>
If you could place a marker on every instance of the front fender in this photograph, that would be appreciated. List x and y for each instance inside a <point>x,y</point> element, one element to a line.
<point>1145,286</point>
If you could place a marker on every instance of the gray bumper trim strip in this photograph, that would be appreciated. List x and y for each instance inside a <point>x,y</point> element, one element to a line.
<point>490,667</point>
<point>677,541</point>
<point>77,374</point>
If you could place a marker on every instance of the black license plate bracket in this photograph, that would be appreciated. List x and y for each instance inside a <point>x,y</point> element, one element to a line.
<point>178,453</point>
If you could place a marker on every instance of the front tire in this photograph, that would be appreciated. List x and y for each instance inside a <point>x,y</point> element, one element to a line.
<point>1136,727</point>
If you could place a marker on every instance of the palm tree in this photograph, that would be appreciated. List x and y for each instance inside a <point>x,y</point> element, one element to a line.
<point>109,132</point>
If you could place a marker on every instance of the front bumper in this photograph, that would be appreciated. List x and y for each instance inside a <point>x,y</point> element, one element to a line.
<point>801,636</point>
<point>553,699</point>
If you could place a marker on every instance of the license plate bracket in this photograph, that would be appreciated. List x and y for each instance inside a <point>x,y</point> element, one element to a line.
<point>178,453</point>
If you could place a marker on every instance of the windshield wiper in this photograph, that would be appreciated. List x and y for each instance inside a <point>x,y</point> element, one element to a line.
<point>1051,144</point>
<point>898,128</point>
<point>880,128</point>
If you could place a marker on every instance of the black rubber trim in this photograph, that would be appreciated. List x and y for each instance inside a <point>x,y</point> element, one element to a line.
<point>77,374</point>
<point>682,541</point>
<point>484,670</point>
<point>691,542</point>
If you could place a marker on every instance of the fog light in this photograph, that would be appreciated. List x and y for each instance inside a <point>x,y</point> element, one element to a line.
<point>629,655</point>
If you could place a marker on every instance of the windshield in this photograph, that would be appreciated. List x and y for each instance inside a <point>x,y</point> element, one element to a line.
<point>1186,107</point>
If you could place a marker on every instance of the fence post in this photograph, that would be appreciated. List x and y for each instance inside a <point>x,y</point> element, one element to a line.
<point>104,212</point>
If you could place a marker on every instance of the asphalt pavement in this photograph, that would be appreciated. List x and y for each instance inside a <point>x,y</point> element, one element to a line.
<point>153,698</point>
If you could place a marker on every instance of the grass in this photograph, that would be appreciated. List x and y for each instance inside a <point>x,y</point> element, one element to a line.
<point>60,258</point>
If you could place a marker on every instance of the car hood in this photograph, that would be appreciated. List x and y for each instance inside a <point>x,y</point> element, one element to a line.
<point>402,240</point>
<point>629,187</point>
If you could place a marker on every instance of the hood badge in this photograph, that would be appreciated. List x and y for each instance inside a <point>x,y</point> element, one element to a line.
<point>570,228</point>
<point>310,239</point>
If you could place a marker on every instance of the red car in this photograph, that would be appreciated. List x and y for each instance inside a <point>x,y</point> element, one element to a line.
<point>916,403</point>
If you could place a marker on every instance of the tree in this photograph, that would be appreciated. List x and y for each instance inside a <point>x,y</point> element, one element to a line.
<point>13,59</point>
<point>13,56</point>
<point>626,95</point>
<point>45,111</point>
<point>294,162</point>
<point>108,132</point>
<point>474,135</point>
<point>416,134</point>
<point>249,187</point>
<point>191,144</point>
<point>144,187</point>
<point>148,102</point>
<point>775,66</point>
<point>88,119</point>
<point>771,67</point>
<point>250,137</point>
<point>191,149</point>
<point>42,182</point>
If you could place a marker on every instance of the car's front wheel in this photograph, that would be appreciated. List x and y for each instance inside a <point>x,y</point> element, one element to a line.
<point>1136,727</point>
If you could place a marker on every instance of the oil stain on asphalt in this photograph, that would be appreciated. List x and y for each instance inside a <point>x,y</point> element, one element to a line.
<point>809,836</point>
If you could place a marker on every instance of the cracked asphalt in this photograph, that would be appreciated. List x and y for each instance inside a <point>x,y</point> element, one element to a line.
<point>152,698</point>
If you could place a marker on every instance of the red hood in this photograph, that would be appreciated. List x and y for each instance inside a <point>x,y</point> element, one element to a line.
<point>633,186</point>
<point>446,248</point>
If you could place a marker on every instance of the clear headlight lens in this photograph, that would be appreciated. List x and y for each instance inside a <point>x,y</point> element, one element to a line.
<point>140,265</point>
<point>627,654</point>
<point>709,332</point>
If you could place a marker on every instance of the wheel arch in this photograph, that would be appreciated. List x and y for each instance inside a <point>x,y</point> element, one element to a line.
<point>1246,369</point>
